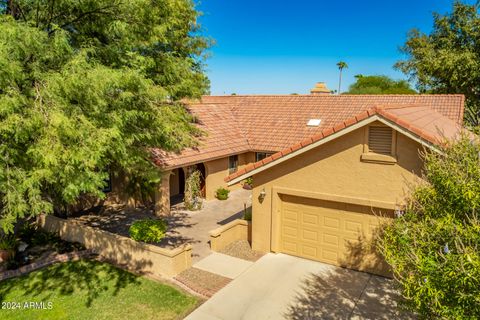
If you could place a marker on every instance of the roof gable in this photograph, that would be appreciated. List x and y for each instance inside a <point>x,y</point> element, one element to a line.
<point>419,123</point>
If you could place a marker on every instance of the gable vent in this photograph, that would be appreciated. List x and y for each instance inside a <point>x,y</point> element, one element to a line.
<point>380,140</point>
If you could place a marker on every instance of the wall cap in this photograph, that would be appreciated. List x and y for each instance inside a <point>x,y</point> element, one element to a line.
<point>217,232</point>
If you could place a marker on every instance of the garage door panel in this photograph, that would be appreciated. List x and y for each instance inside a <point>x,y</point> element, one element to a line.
<point>310,235</point>
<point>331,239</point>
<point>310,219</point>
<point>329,233</point>
<point>310,251</point>
<point>290,215</point>
<point>289,247</point>
<point>331,222</point>
<point>353,226</point>
<point>329,256</point>
<point>290,232</point>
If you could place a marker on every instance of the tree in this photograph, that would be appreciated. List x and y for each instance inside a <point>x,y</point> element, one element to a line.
<point>341,65</point>
<point>448,59</point>
<point>434,248</point>
<point>90,86</point>
<point>379,85</point>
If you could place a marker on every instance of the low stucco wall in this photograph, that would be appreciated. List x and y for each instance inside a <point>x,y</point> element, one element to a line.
<point>140,257</point>
<point>236,230</point>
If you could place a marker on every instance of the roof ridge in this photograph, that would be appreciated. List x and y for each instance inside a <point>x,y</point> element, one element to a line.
<point>338,96</point>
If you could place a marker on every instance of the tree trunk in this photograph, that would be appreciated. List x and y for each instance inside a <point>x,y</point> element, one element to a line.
<point>12,9</point>
<point>340,82</point>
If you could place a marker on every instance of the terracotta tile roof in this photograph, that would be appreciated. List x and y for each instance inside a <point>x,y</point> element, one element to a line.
<point>238,124</point>
<point>422,121</point>
<point>223,137</point>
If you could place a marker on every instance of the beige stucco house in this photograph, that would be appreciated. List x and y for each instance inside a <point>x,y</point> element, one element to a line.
<point>326,168</point>
<point>323,197</point>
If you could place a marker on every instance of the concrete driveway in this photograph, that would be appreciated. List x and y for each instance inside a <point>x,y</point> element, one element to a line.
<point>284,287</point>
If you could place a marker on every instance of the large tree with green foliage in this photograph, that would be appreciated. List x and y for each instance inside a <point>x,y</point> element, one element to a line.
<point>434,248</point>
<point>89,85</point>
<point>379,85</point>
<point>448,59</point>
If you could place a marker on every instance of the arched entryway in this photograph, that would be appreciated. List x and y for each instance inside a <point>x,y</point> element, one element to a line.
<point>177,186</point>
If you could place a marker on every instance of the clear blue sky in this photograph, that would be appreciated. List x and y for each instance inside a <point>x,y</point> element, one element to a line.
<point>283,47</point>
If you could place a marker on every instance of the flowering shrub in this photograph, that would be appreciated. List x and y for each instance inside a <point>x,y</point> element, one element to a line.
<point>434,248</point>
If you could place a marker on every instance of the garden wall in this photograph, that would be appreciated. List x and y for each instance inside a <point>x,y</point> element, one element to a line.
<point>236,230</point>
<point>137,256</point>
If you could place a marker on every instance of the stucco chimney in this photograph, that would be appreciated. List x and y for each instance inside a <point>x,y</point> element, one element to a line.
<point>320,88</point>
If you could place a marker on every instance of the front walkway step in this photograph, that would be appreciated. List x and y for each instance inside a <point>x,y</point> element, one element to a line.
<point>221,264</point>
<point>202,282</point>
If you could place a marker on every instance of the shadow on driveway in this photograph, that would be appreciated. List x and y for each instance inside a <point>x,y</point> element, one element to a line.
<point>346,294</point>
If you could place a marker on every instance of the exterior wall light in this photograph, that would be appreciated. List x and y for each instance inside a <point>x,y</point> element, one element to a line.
<point>262,195</point>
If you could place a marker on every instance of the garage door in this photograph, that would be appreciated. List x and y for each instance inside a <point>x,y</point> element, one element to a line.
<point>331,232</point>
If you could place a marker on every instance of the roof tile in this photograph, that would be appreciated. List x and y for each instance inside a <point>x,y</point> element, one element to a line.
<point>238,124</point>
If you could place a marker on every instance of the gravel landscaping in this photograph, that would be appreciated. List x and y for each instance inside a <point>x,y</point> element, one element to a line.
<point>242,249</point>
<point>203,282</point>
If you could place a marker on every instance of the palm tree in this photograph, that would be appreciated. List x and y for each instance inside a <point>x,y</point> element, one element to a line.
<point>341,65</point>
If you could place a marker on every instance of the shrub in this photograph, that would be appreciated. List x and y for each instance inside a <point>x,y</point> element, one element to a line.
<point>247,214</point>
<point>8,242</point>
<point>192,199</point>
<point>148,230</point>
<point>434,247</point>
<point>222,193</point>
<point>248,183</point>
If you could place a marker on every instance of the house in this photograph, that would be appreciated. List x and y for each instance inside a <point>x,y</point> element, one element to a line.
<point>327,169</point>
<point>322,198</point>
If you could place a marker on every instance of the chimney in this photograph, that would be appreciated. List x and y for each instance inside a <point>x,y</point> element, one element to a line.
<point>320,88</point>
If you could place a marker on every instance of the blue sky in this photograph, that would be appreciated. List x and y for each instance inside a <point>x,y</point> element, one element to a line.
<point>283,47</point>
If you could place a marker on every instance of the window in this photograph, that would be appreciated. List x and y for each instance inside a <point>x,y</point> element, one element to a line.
<point>380,140</point>
<point>261,155</point>
<point>232,163</point>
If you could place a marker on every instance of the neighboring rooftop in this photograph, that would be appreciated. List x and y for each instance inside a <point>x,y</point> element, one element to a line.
<point>236,124</point>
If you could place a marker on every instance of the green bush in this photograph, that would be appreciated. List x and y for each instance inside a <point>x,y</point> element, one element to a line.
<point>247,214</point>
<point>8,242</point>
<point>434,247</point>
<point>248,183</point>
<point>148,230</point>
<point>222,193</point>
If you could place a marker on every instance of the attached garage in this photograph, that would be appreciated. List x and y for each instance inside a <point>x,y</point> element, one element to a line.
<point>332,232</point>
<point>324,198</point>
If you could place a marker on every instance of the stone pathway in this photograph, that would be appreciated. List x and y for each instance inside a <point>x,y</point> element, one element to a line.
<point>194,226</point>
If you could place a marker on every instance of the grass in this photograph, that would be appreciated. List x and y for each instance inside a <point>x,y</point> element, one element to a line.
<point>93,290</point>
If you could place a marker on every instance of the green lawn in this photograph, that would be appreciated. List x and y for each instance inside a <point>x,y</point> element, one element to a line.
<point>93,290</point>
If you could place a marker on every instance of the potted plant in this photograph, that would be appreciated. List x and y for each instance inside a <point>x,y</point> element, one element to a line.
<point>8,244</point>
<point>248,183</point>
<point>222,193</point>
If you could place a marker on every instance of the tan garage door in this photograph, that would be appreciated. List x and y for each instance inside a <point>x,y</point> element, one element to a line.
<point>331,232</point>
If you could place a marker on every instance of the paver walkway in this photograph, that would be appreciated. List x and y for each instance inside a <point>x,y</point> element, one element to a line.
<point>193,226</point>
<point>279,286</point>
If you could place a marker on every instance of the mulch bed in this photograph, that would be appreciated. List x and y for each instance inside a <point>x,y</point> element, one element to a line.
<point>242,249</point>
<point>202,282</point>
